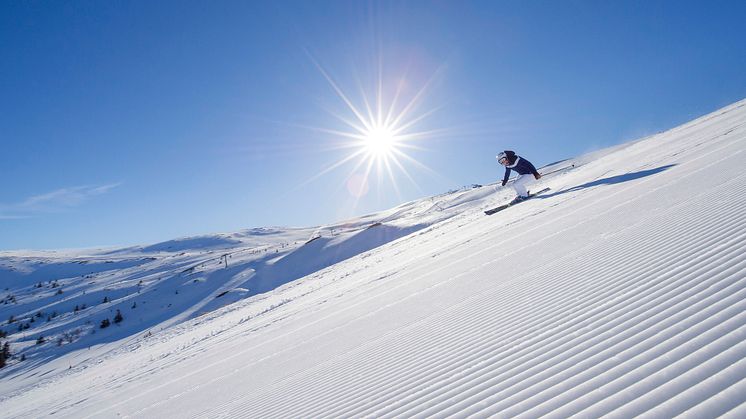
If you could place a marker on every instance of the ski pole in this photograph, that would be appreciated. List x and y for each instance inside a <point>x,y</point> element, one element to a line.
<point>559,170</point>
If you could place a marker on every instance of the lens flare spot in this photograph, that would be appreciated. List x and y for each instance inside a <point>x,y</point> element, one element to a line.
<point>357,185</point>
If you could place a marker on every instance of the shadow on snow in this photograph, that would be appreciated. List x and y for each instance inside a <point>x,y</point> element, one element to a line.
<point>613,180</point>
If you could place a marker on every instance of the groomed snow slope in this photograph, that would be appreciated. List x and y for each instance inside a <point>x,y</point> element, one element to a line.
<point>621,293</point>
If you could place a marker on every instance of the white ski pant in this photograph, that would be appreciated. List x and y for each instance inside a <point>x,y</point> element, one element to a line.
<point>520,184</point>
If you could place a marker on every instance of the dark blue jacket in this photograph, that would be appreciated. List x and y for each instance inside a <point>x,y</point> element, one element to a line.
<point>519,164</point>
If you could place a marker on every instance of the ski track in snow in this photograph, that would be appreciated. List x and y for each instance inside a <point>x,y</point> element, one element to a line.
<point>618,299</point>
<point>740,271</point>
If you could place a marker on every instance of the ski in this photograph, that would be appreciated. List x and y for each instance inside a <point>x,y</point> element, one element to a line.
<point>504,206</point>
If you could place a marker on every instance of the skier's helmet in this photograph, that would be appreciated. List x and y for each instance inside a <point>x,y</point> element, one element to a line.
<point>501,157</point>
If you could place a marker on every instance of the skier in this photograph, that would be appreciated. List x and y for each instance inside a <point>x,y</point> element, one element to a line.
<point>511,161</point>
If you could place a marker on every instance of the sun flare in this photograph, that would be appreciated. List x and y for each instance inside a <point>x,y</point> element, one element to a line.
<point>380,141</point>
<point>380,128</point>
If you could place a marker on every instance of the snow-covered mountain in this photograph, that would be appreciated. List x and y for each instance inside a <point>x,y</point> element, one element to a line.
<point>619,292</point>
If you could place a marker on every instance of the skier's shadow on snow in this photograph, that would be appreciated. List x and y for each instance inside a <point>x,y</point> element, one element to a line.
<point>611,180</point>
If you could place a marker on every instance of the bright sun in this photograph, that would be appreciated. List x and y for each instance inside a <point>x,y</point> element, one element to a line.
<point>380,131</point>
<point>379,141</point>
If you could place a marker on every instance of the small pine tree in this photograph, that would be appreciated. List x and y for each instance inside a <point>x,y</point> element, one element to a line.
<point>11,319</point>
<point>106,299</point>
<point>40,340</point>
<point>4,354</point>
<point>118,318</point>
<point>105,323</point>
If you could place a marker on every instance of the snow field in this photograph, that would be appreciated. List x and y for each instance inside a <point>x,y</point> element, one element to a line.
<point>655,305</point>
<point>620,293</point>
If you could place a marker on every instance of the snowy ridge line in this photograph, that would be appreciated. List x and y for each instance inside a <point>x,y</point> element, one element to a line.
<point>379,412</point>
<point>704,123</point>
<point>708,117</point>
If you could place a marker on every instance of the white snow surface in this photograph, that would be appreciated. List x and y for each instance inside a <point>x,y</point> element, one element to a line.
<point>621,292</point>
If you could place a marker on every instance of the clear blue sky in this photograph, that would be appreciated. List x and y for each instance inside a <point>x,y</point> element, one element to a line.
<point>141,121</point>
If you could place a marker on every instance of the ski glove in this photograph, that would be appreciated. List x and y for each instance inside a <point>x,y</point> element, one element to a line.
<point>537,176</point>
<point>504,182</point>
